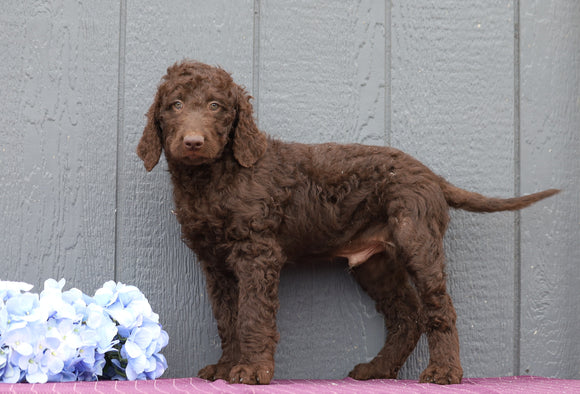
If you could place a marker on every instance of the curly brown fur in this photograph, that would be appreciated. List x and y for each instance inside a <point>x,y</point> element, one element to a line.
<point>248,203</point>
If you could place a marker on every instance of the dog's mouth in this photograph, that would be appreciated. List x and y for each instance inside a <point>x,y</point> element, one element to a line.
<point>195,157</point>
<point>196,160</point>
<point>206,155</point>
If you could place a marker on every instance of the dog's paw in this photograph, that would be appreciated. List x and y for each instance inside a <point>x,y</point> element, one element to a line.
<point>252,374</point>
<point>366,371</point>
<point>441,374</point>
<point>215,371</point>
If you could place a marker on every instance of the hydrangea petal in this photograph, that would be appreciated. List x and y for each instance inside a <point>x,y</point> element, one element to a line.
<point>15,286</point>
<point>136,366</point>
<point>143,336</point>
<point>12,374</point>
<point>22,348</point>
<point>38,376</point>
<point>133,350</point>
<point>53,363</point>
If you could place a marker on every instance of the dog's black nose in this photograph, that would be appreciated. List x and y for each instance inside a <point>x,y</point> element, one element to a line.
<point>193,142</point>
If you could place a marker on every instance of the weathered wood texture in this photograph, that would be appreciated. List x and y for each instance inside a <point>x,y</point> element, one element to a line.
<point>58,128</point>
<point>485,93</point>
<point>550,155</point>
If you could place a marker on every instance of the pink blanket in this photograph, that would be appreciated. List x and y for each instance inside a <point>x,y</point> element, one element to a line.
<point>512,384</point>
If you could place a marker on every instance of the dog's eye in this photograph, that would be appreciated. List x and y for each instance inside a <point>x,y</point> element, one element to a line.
<point>213,106</point>
<point>178,105</point>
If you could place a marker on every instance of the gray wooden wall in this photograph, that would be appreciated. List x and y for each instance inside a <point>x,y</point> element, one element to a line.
<point>487,93</point>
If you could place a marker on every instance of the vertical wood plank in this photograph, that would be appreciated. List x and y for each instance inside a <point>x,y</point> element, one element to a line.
<point>453,109</point>
<point>150,252</point>
<point>550,146</point>
<point>322,71</point>
<point>322,78</point>
<point>58,147</point>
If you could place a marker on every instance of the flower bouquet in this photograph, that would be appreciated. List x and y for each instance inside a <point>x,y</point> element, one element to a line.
<point>66,336</point>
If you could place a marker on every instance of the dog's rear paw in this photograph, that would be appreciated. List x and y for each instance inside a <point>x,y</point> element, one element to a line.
<point>442,374</point>
<point>215,371</point>
<point>252,374</point>
<point>370,370</point>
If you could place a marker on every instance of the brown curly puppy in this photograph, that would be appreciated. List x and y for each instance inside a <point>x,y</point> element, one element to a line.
<point>248,203</point>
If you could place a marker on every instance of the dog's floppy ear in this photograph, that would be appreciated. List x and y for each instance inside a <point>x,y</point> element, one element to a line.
<point>249,142</point>
<point>149,148</point>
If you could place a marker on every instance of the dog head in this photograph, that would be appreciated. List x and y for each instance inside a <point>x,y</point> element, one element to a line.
<point>197,111</point>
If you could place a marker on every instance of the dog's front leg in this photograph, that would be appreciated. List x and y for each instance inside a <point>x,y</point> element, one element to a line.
<point>257,266</point>
<point>222,288</point>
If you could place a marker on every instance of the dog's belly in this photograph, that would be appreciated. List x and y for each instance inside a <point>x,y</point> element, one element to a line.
<point>359,252</point>
<point>360,249</point>
<point>360,255</point>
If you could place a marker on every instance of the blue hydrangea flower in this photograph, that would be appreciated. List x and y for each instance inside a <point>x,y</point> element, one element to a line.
<point>66,336</point>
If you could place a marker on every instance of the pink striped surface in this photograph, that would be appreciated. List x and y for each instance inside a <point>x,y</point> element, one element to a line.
<point>512,384</point>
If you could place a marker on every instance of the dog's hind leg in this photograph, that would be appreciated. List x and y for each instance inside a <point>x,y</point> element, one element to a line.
<point>387,283</point>
<point>420,246</point>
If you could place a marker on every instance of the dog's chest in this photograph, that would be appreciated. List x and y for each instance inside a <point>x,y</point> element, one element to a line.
<point>202,221</point>
<point>212,219</point>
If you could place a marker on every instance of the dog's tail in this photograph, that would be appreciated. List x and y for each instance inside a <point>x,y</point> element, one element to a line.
<point>474,202</point>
